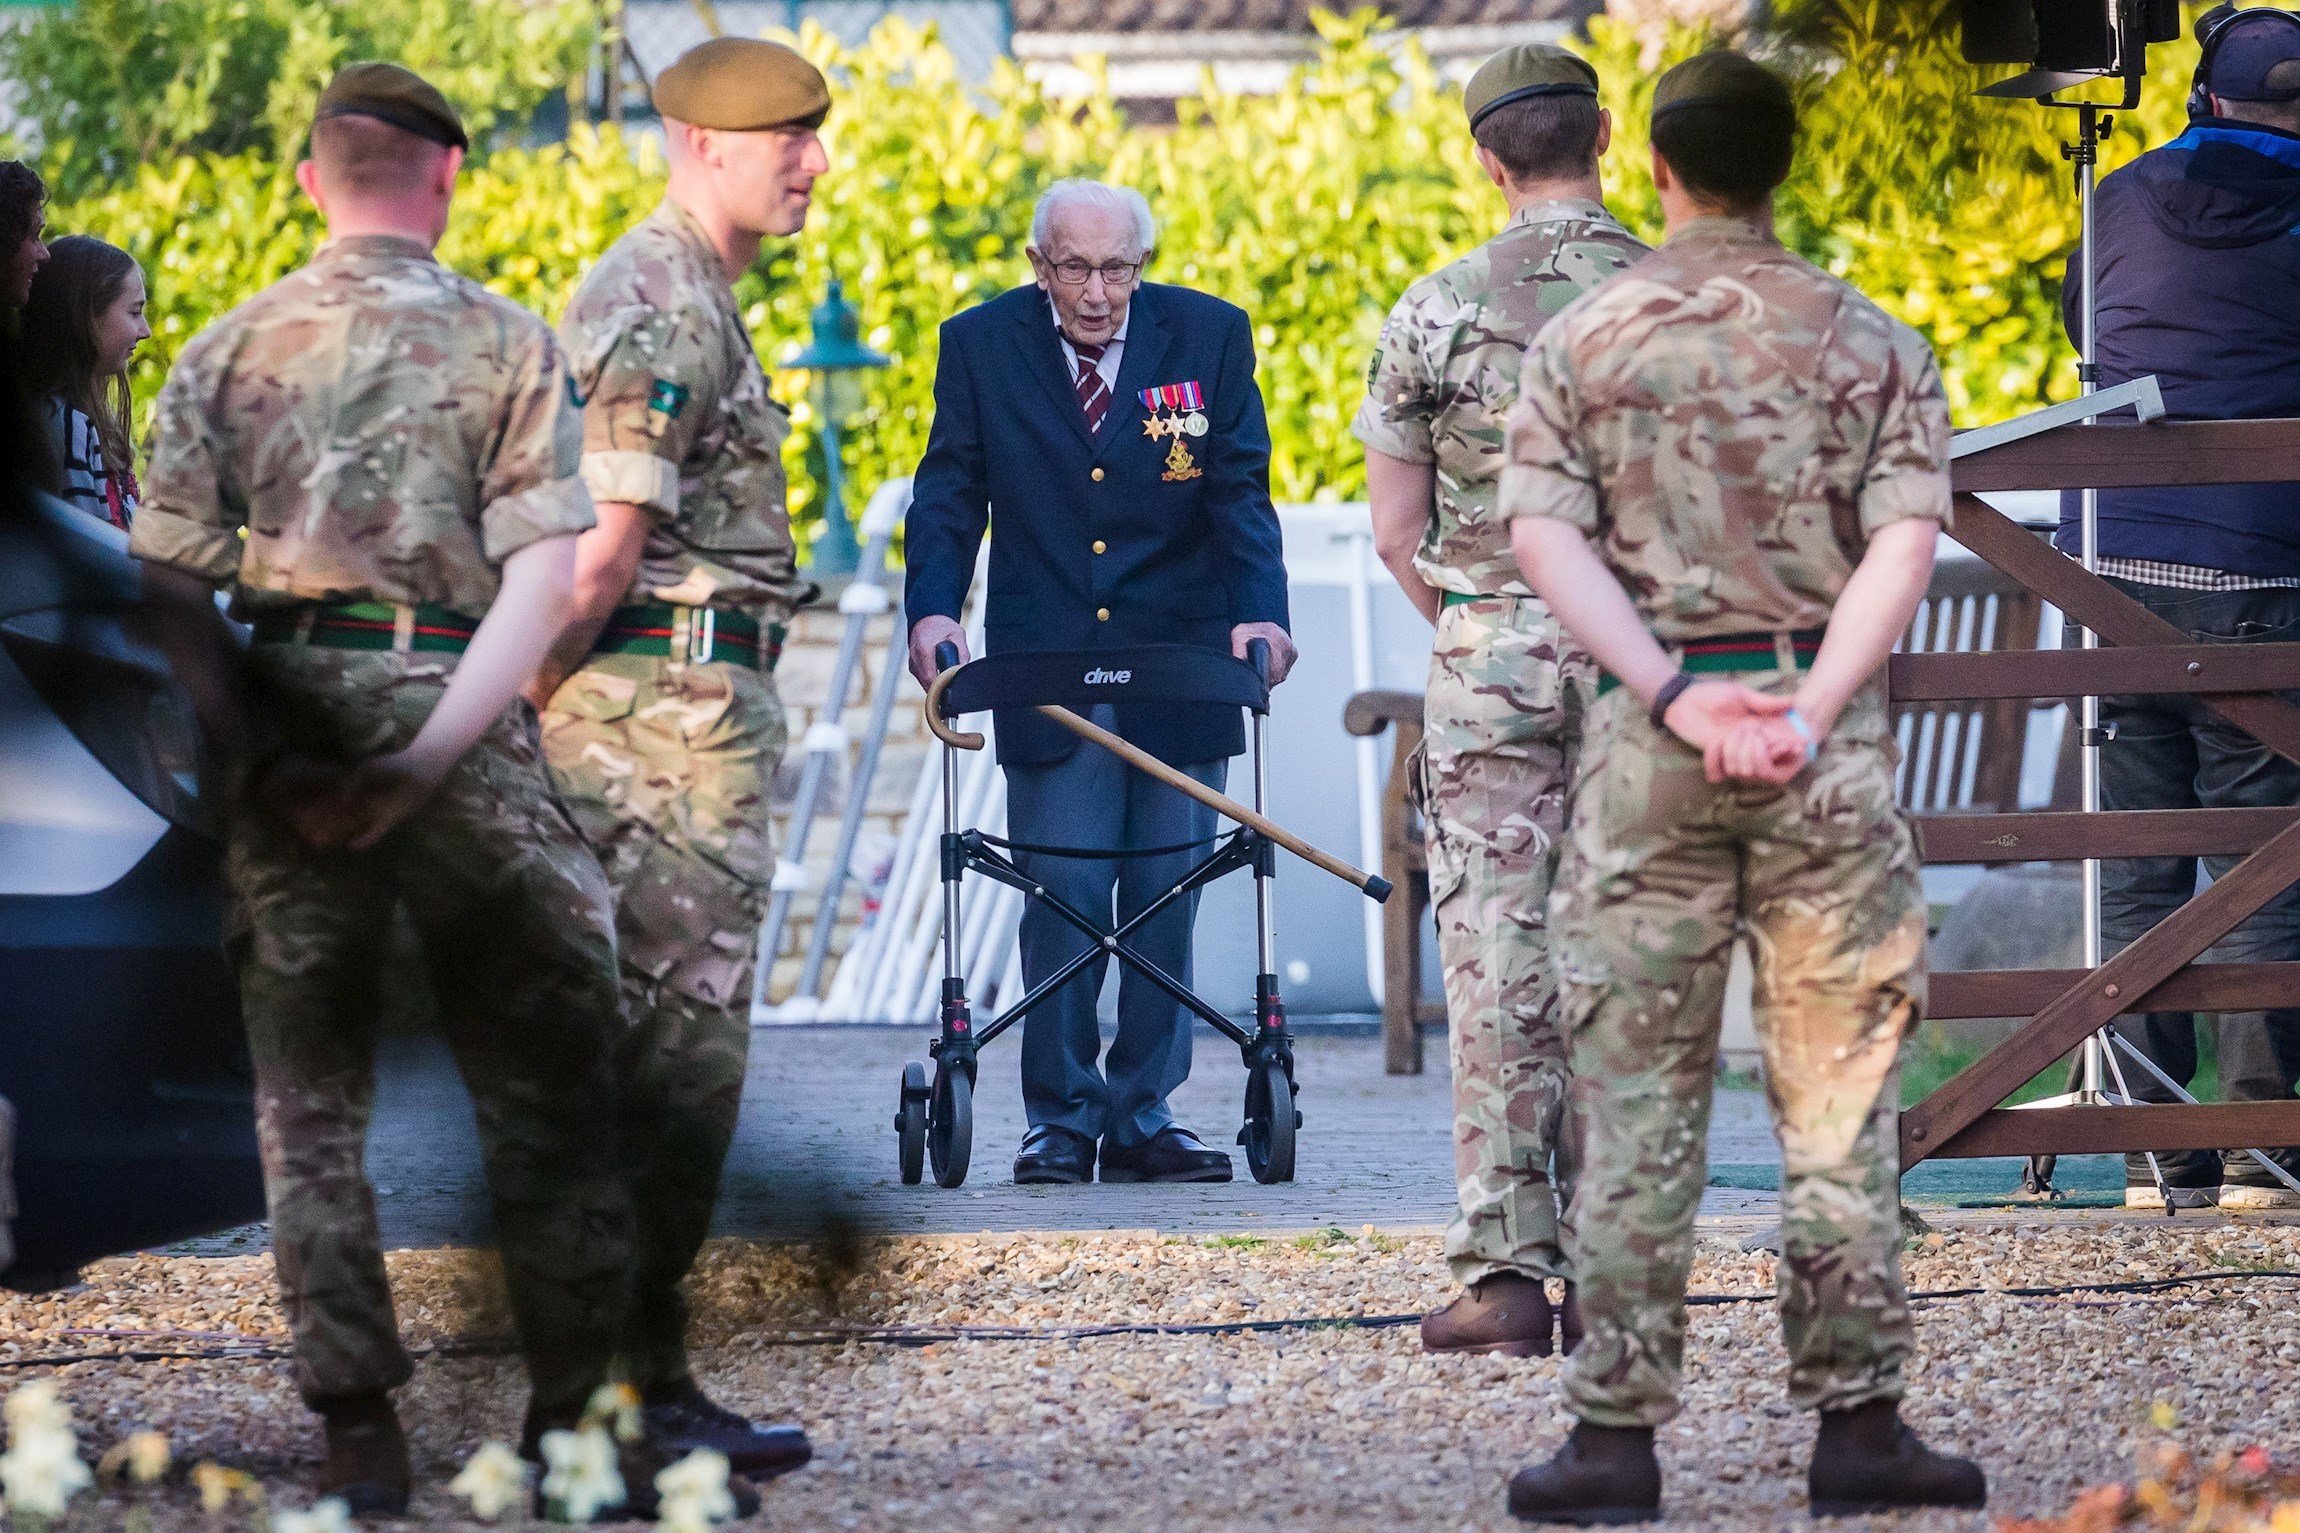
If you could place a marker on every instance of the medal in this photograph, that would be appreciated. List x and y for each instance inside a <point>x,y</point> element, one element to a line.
<point>1167,404</point>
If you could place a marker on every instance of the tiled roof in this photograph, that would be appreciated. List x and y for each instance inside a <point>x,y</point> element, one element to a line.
<point>1276,15</point>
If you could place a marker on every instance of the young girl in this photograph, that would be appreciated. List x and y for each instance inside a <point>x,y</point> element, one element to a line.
<point>82,324</point>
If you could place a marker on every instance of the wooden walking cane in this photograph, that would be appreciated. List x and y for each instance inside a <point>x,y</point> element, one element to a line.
<point>1375,886</point>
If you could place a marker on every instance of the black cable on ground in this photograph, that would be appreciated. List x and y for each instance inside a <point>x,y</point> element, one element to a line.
<point>925,1336</point>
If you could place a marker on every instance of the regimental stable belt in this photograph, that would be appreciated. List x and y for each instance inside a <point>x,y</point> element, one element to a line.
<point>691,634</point>
<point>1734,653</point>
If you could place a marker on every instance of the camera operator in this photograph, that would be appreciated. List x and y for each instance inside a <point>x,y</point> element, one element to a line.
<point>2198,259</point>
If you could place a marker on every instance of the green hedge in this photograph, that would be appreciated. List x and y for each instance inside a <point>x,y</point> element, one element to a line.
<point>1313,207</point>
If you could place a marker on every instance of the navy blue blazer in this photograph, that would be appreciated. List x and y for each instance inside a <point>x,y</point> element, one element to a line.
<point>1094,547</point>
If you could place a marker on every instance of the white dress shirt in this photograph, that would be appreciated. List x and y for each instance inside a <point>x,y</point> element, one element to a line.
<point>1108,366</point>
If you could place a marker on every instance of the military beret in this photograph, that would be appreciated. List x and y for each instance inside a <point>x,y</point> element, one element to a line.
<point>388,93</point>
<point>1522,72</point>
<point>743,84</point>
<point>1721,77</point>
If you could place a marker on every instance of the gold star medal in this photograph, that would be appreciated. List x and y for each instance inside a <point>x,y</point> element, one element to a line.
<point>1165,404</point>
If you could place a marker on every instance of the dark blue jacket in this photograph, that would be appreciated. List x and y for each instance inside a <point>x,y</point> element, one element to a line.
<point>1094,548</point>
<point>2199,272</point>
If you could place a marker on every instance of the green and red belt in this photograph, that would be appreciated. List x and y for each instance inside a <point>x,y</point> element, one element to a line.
<point>697,634</point>
<point>1736,653</point>
<point>368,625</point>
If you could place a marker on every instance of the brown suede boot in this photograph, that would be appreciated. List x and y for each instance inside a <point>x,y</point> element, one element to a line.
<point>366,1456</point>
<point>1869,1460</point>
<point>1603,1477</point>
<point>1569,1322</point>
<point>1507,1313</point>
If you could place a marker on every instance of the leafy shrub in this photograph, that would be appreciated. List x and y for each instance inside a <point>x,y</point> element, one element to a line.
<point>114,85</point>
<point>1313,207</point>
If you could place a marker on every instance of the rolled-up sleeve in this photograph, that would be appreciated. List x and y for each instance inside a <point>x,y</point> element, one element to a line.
<point>1401,395</point>
<point>641,408</point>
<point>1908,474</point>
<point>187,520</point>
<point>531,487</point>
<point>1550,471</point>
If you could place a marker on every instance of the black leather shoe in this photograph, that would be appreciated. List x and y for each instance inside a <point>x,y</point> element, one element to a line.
<point>1176,1155</point>
<point>367,1467</point>
<point>1054,1157</point>
<point>1868,1460</point>
<point>1603,1477</point>
<point>682,1418</point>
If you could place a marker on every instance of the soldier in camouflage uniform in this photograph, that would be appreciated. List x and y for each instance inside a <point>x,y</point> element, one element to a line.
<point>379,460</point>
<point>1507,689</point>
<point>665,736</point>
<point>1727,461</point>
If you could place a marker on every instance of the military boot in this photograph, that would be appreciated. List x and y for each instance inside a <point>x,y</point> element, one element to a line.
<point>1869,1460</point>
<point>366,1456</point>
<point>1507,1313</point>
<point>1569,1330</point>
<point>1603,1477</point>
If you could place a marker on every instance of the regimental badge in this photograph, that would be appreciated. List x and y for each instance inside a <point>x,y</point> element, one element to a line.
<point>1176,410</point>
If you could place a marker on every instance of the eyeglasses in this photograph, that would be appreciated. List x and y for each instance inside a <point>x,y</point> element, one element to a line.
<point>1114,273</point>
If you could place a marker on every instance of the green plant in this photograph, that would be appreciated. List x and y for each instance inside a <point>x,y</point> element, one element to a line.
<point>112,86</point>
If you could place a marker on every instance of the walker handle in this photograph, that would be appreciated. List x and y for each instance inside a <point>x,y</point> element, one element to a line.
<point>1258,656</point>
<point>945,655</point>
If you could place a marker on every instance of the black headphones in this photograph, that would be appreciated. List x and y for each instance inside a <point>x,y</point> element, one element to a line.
<point>2213,26</point>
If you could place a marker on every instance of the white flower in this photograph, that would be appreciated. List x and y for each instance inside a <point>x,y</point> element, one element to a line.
<point>36,1407</point>
<point>694,1491</point>
<point>147,1457</point>
<point>615,1405</point>
<point>326,1516</point>
<point>581,1475</point>
<point>493,1482</point>
<point>41,1471</point>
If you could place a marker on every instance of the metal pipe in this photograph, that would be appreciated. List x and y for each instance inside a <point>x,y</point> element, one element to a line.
<point>857,806</point>
<point>2090,1083</point>
<point>1265,917</point>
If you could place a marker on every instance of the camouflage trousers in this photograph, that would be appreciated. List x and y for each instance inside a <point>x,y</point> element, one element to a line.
<point>1504,708</point>
<point>666,768</point>
<point>1663,872</point>
<point>517,926</point>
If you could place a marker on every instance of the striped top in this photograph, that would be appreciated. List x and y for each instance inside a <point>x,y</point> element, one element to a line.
<point>89,484</point>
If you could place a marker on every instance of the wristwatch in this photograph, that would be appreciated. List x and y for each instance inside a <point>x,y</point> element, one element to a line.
<point>1669,693</point>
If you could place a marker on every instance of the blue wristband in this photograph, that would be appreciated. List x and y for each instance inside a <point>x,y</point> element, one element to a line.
<point>1804,730</point>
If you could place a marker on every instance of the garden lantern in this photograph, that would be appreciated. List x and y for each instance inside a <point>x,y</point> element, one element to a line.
<point>835,358</point>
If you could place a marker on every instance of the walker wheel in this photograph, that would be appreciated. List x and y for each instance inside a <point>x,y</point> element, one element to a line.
<point>950,1124</point>
<point>1270,1122</point>
<point>910,1122</point>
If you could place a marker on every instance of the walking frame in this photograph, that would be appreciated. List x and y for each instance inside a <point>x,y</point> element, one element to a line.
<point>935,1121</point>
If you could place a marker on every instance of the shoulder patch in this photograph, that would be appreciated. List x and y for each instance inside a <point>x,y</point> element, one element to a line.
<point>667,397</point>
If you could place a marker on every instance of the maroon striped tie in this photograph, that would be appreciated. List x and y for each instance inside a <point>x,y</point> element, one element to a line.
<point>1093,393</point>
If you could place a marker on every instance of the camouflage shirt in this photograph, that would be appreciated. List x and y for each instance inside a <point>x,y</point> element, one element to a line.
<point>677,420</point>
<point>371,428</point>
<point>1728,423</point>
<point>1446,371</point>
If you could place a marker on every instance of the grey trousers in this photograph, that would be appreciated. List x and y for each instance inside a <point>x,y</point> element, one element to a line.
<point>1093,800</point>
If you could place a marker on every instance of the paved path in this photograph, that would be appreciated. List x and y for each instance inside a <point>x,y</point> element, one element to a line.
<point>817,1144</point>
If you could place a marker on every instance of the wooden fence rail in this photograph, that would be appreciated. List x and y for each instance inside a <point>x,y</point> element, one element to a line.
<point>2141,653</point>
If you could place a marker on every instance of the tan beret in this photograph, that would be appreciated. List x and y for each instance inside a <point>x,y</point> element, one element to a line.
<point>389,93</point>
<point>1519,73</point>
<point>743,84</point>
<point>1721,77</point>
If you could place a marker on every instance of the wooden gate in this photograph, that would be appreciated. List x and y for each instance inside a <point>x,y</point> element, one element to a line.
<point>2139,653</point>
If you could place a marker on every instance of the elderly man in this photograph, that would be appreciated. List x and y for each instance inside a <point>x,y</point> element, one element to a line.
<point>1109,534</point>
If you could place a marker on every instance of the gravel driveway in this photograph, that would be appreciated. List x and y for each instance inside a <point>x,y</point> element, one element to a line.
<point>1346,1426</point>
